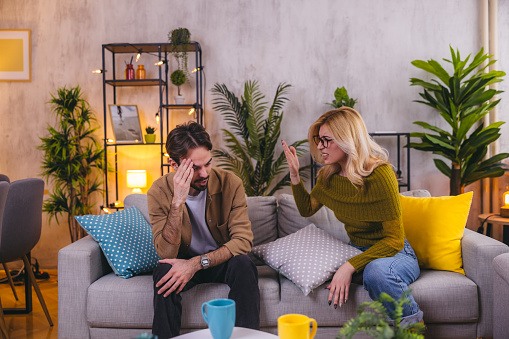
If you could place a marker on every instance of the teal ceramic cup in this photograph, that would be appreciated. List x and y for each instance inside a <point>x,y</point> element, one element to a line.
<point>219,314</point>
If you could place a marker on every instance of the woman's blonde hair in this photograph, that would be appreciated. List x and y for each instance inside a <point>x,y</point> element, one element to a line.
<point>350,134</point>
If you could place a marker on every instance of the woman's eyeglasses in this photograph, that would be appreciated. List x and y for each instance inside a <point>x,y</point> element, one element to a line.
<point>324,141</point>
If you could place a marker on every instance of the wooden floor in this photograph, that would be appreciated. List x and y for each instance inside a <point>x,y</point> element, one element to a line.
<point>33,325</point>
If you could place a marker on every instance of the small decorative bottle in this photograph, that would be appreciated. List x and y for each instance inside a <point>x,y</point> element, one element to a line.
<point>140,72</point>
<point>129,72</point>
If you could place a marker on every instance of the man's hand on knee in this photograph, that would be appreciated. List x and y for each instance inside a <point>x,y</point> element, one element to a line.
<point>178,276</point>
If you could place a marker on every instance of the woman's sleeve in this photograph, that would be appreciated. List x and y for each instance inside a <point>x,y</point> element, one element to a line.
<point>306,204</point>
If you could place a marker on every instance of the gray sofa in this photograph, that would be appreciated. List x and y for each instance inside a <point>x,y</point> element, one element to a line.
<point>94,303</point>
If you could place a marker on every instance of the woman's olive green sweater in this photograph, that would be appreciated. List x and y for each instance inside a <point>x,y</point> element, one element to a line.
<point>372,215</point>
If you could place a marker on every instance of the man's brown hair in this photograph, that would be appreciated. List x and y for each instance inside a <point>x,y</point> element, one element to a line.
<point>185,137</point>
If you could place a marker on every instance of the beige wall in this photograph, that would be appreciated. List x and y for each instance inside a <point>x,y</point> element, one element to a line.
<point>316,46</point>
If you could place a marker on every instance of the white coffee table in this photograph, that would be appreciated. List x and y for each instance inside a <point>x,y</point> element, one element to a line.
<point>238,333</point>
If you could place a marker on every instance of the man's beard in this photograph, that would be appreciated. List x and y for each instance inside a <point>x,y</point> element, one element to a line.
<point>198,187</point>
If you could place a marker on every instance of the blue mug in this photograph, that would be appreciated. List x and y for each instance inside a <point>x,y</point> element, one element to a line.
<point>219,314</point>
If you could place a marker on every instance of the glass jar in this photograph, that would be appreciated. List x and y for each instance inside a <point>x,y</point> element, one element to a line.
<point>129,72</point>
<point>140,72</point>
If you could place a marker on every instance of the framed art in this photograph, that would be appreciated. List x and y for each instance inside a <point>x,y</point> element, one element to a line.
<point>15,47</point>
<point>126,123</point>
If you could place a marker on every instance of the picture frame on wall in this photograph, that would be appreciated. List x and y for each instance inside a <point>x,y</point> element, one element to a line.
<point>15,55</point>
<point>126,123</point>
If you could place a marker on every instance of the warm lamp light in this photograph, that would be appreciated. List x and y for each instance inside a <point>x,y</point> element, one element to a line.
<point>504,210</point>
<point>136,179</point>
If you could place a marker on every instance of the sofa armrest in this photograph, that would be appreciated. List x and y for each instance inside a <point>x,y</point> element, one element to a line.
<point>79,265</point>
<point>501,295</point>
<point>478,252</point>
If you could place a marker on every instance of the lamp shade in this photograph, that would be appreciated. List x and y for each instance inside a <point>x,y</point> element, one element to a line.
<point>504,210</point>
<point>136,179</point>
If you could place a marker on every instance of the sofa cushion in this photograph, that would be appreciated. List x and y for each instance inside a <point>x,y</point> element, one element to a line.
<point>262,213</point>
<point>307,257</point>
<point>125,238</point>
<point>446,297</point>
<point>109,299</point>
<point>140,201</point>
<point>290,220</point>
<point>434,227</point>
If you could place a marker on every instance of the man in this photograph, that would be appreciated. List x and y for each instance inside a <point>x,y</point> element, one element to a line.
<point>202,232</point>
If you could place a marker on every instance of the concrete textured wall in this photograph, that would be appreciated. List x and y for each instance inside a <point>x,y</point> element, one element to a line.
<point>316,46</point>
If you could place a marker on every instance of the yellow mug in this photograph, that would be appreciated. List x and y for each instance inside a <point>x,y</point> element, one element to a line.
<point>295,326</point>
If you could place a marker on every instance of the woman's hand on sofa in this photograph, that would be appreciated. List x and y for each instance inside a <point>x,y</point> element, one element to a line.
<point>178,276</point>
<point>340,284</point>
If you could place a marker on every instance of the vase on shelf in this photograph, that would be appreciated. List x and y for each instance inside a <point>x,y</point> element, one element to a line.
<point>179,100</point>
<point>150,138</point>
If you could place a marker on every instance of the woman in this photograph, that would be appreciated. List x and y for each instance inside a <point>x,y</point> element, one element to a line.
<point>359,185</point>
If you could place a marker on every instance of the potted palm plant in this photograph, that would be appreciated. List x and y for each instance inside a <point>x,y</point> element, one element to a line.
<point>462,99</point>
<point>73,159</point>
<point>252,140</point>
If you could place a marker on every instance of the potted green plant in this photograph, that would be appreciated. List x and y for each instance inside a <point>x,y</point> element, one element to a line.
<point>462,99</point>
<point>178,78</point>
<point>73,160</point>
<point>179,39</point>
<point>342,99</point>
<point>372,319</point>
<point>150,137</point>
<point>253,138</point>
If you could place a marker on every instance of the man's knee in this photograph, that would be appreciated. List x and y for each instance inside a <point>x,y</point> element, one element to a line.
<point>160,270</point>
<point>243,267</point>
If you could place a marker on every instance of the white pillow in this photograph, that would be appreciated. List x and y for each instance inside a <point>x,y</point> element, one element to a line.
<point>308,257</point>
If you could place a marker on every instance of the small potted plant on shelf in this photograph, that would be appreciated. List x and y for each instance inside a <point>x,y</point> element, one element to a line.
<point>150,137</point>
<point>178,78</point>
<point>179,39</point>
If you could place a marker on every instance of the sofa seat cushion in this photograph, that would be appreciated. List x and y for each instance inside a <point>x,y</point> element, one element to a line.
<point>315,304</point>
<point>120,303</point>
<point>446,297</point>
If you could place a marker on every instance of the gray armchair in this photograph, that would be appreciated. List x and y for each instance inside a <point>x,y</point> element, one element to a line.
<point>21,227</point>
<point>4,189</point>
<point>500,296</point>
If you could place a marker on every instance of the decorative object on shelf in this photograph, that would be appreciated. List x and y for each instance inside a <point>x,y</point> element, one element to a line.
<point>126,123</point>
<point>373,320</point>
<point>252,157</point>
<point>129,71</point>
<point>150,137</point>
<point>504,210</point>
<point>462,101</point>
<point>15,45</point>
<point>342,99</point>
<point>140,72</point>
<point>178,78</point>
<point>179,39</point>
<point>73,159</point>
<point>136,179</point>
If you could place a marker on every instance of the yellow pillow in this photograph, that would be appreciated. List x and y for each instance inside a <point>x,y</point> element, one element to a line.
<point>434,227</point>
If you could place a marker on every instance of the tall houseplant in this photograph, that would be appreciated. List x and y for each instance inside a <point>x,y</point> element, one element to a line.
<point>254,134</point>
<point>73,159</point>
<point>462,99</point>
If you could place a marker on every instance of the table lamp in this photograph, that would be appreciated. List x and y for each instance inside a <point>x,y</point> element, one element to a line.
<point>504,210</point>
<point>136,179</point>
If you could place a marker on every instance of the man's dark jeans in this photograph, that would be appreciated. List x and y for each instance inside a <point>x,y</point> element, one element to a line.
<point>239,273</point>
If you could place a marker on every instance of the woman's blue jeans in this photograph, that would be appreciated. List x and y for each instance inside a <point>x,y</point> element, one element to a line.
<point>392,275</point>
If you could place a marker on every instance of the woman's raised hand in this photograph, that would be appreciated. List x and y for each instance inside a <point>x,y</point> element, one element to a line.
<point>293,162</point>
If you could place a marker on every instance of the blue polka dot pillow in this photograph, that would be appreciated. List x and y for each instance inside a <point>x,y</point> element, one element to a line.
<point>125,238</point>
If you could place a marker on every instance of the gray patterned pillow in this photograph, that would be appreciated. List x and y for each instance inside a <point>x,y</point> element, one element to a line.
<point>308,257</point>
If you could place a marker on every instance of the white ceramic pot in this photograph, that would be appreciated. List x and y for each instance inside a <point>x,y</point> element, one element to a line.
<point>179,100</point>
